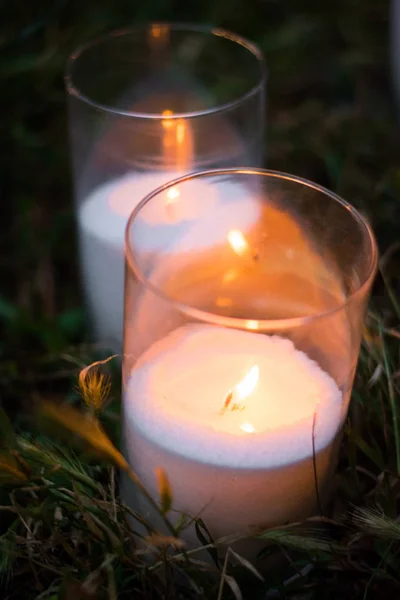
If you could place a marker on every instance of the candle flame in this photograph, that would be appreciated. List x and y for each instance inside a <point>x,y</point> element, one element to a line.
<point>156,31</point>
<point>243,389</point>
<point>248,384</point>
<point>237,242</point>
<point>167,123</point>
<point>247,427</point>
<point>177,141</point>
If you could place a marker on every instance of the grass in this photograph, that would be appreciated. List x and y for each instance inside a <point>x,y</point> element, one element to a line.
<point>331,118</point>
<point>65,532</point>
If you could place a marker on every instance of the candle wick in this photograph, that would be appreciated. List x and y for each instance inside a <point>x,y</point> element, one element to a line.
<point>227,401</point>
<point>228,406</point>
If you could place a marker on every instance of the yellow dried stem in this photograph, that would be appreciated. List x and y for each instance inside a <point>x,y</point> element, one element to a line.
<point>164,489</point>
<point>165,541</point>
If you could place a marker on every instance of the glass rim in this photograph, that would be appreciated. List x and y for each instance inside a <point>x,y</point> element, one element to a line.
<point>252,47</point>
<point>243,323</point>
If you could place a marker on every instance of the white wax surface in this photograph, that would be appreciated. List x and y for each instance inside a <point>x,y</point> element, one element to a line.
<point>194,224</point>
<point>236,481</point>
<point>177,389</point>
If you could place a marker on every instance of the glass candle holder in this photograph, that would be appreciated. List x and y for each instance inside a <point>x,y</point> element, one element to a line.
<point>147,105</point>
<point>242,335</point>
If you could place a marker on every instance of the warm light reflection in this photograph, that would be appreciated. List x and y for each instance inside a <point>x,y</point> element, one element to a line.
<point>247,385</point>
<point>237,242</point>
<point>167,123</point>
<point>172,198</point>
<point>253,325</point>
<point>247,427</point>
<point>158,35</point>
<point>158,31</point>
<point>229,276</point>
<point>172,195</point>
<point>222,302</point>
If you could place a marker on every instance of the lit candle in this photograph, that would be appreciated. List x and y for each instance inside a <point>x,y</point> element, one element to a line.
<point>102,220</point>
<point>235,419</point>
<point>103,215</point>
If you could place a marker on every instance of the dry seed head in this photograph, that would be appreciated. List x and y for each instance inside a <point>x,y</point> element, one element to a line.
<point>94,386</point>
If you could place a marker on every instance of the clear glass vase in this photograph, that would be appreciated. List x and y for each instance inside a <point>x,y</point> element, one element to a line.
<point>242,335</point>
<point>146,105</point>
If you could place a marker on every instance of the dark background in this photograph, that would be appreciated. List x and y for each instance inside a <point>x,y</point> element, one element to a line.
<point>330,117</point>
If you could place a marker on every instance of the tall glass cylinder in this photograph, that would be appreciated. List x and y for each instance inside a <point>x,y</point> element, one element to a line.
<point>147,105</point>
<point>242,334</point>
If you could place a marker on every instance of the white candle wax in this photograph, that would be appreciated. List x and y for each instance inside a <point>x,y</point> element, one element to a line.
<point>102,219</point>
<point>230,415</point>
